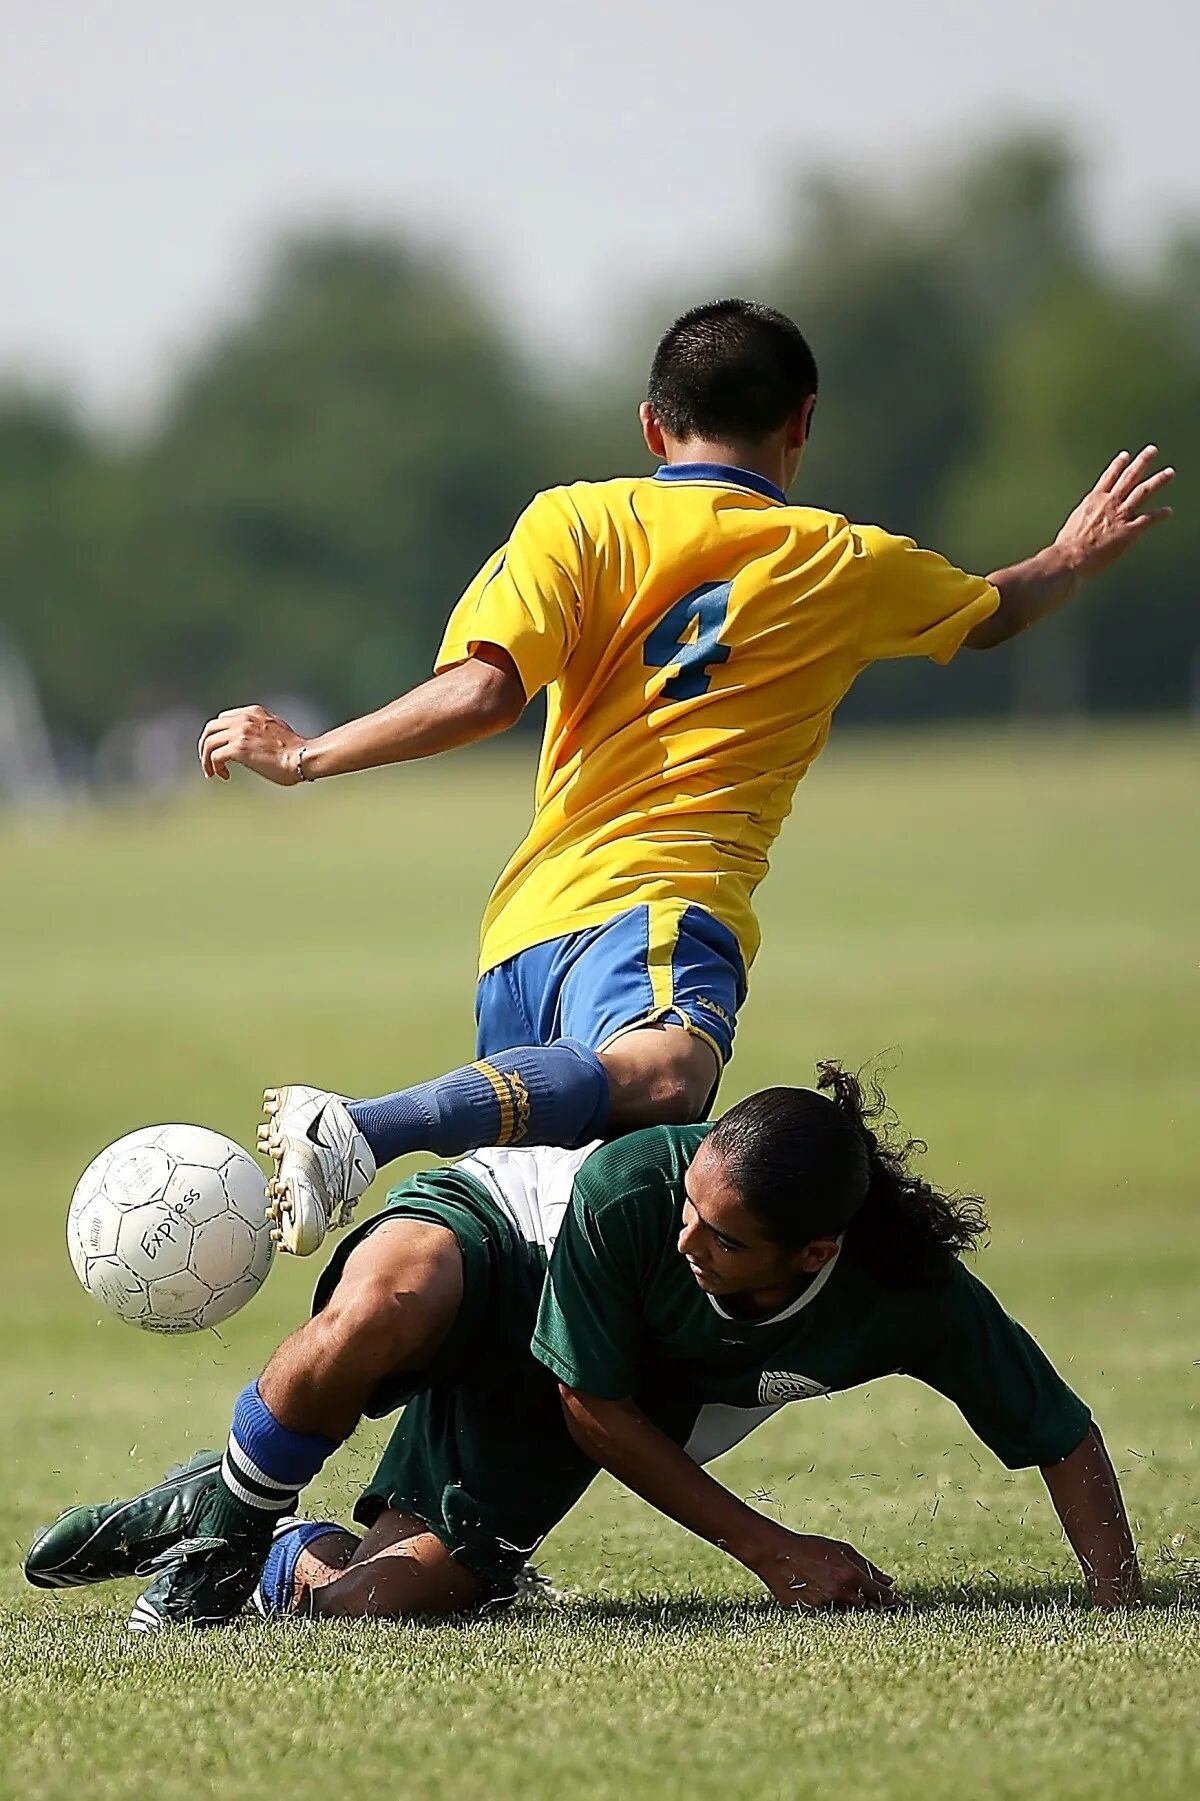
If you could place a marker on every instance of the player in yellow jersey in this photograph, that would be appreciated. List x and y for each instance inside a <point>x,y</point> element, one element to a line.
<point>694,632</point>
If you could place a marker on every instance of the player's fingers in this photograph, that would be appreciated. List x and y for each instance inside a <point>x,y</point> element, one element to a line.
<point>228,713</point>
<point>221,753</point>
<point>1143,521</point>
<point>1112,472</point>
<point>1147,489</point>
<point>878,1591</point>
<point>869,1581</point>
<point>865,1565</point>
<point>1135,470</point>
<point>214,739</point>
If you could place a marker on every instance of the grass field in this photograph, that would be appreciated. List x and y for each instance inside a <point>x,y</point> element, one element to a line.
<point>1011,920</point>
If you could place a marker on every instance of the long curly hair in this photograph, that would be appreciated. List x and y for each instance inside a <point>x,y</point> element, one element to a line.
<point>907,1232</point>
<point>819,1163</point>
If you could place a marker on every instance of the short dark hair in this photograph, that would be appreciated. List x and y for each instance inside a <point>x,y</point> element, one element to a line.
<point>730,370</point>
<point>812,1165</point>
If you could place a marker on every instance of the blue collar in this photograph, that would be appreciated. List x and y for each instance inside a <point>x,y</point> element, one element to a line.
<point>723,473</point>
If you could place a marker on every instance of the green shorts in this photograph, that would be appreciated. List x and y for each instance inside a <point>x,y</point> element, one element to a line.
<point>481,1453</point>
<point>488,1483</point>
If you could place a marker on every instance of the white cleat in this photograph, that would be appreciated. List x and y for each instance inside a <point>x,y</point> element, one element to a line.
<point>322,1165</point>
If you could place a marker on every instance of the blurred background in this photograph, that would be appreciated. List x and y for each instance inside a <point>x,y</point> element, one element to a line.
<point>300,304</point>
<point>303,305</point>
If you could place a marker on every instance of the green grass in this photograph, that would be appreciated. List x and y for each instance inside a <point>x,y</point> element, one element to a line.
<point>1012,920</point>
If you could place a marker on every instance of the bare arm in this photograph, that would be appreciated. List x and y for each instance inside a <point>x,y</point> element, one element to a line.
<point>800,1571</point>
<point>1101,529</point>
<point>1088,1501</point>
<point>474,700</point>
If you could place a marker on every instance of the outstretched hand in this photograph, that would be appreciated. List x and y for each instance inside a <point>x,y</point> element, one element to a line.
<point>256,739</point>
<point>1115,514</point>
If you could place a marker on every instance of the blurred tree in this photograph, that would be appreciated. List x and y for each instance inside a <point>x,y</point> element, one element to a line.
<point>333,471</point>
<point>1081,371</point>
<point>979,366</point>
<point>333,468</point>
<point>65,534</point>
<point>895,344</point>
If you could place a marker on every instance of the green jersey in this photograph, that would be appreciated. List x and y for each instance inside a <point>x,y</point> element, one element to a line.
<point>621,1315</point>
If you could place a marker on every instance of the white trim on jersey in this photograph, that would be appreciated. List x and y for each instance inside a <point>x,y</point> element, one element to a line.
<point>772,1319</point>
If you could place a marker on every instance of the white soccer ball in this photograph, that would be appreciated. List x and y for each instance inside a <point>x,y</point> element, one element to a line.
<point>168,1228</point>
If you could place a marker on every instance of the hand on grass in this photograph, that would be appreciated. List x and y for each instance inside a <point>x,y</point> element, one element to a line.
<point>256,739</point>
<point>1115,514</point>
<point>1107,1593</point>
<point>806,1572</point>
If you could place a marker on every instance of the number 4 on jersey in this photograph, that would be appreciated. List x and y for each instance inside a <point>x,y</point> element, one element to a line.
<point>705,607</point>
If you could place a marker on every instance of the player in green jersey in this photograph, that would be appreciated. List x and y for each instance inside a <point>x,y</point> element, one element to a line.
<point>678,1285</point>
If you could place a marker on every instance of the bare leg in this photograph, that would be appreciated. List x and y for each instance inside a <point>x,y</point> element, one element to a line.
<point>323,1560</point>
<point>396,1300</point>
<point>659,1075</point>
<point>399,1571</point>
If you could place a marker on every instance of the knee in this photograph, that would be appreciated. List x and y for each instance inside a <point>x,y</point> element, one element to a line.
<point>665,1079</point>
<point>685,1079</point>
<point>678,1098</point>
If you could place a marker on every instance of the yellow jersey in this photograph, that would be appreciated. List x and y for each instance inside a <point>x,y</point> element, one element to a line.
<point>695,633</point>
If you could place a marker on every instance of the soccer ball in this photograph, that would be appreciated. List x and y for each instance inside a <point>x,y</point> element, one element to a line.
<point>168,1228</point>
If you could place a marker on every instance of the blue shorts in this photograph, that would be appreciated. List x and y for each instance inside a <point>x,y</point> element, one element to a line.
<point>648,965</point>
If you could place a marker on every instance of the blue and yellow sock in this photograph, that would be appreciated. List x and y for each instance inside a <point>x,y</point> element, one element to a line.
<point>547,1094</point>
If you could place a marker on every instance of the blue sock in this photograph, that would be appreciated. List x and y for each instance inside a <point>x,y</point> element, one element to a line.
<point>264,1468</point>
<point>548,1094</point>
<point>276,1585</point>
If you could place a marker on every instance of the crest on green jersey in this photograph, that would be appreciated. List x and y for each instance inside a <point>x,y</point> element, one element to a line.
<point>775,1386</point>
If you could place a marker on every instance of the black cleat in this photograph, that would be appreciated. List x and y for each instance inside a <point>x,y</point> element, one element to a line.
<point>122,1538</point>
<point>203,1582</point>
